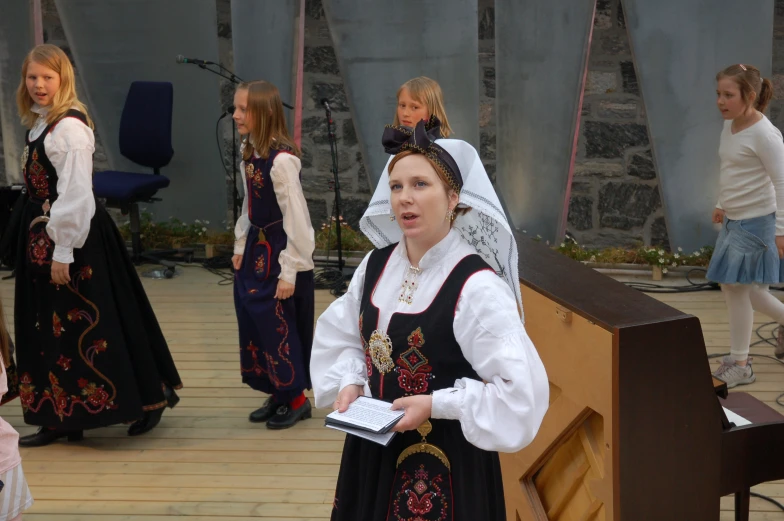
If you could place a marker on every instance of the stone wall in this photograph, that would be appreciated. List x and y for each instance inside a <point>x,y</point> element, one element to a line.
<point>615,198</point>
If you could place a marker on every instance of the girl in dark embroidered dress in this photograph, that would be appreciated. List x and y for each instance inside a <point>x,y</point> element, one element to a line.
<point>429,325</point>
<point>273,261</point>
<point>90,352</point>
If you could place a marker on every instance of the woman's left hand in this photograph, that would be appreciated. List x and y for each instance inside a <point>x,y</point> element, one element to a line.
<point>284,290</point>
<point>60,273</point>
<point>780,245</point>
<point>418,409</point>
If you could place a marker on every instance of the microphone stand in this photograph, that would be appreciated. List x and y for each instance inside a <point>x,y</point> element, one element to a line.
<point>336,183</point>
<point>223,72</point>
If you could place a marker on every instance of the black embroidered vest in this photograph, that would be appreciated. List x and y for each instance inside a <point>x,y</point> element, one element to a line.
<point>424,355</point>
<point>40,176</point>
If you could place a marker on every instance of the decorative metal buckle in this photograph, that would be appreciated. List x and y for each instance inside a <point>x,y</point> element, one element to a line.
<point>380,348</point>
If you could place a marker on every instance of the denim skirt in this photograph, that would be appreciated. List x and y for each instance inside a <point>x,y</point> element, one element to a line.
<point>746,252</point>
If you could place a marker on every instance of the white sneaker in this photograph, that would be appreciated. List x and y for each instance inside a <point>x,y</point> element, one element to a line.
<point>733,374</point>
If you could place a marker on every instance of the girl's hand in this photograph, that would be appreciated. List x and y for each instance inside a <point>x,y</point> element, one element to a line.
<point>284,290</point>
<point>236,261</point>
<point>60,273</point>
<point>718,215</point>
<point>418,409</point>
<point>347,396</point>
<point>780,245</point>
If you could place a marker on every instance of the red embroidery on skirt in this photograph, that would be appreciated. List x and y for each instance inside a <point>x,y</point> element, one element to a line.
<point>413,366</point>
<point>64,362</point>
<point>257,369</point>
<point>283,351</point>
<point>57,326</point>
<point>94,398</point>
<point>420,495</point>
<point>97,399</point>
<point>259,268</point>
<point>39,247</point>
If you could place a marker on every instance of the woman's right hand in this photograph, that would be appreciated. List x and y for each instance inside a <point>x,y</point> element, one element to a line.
<point>237,262</point>
<point>347,396</point>
<point>718,215</point>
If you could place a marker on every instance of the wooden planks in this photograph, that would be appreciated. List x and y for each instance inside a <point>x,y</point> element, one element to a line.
<point>205,461</point>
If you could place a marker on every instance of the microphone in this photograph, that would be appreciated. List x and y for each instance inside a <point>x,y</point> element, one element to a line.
<point>325,102</point>
<point>195,61</point>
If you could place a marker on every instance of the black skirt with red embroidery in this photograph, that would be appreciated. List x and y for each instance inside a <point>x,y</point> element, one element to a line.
<point>89,353</point>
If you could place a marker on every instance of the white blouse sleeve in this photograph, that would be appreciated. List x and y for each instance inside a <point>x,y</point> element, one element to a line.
<point>70,146</point>
<point>770,150</point>
<point>338,357</point>
<point>505,413</point>
<point>298,254</point>
<point>243,221</point>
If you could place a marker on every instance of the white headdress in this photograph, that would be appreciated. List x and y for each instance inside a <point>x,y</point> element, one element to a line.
<point>484,227</point>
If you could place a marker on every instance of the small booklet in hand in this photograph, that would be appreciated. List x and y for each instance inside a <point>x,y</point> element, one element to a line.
<point>367,418</point>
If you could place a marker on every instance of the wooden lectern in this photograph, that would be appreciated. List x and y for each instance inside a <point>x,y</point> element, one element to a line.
<point>635,430</point>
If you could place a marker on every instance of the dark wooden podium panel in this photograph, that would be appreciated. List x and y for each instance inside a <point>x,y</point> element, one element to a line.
<point>633,428</point>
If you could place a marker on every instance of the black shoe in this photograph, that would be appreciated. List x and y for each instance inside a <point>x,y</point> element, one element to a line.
<point>287,416</point>
<point>266,411</point>
<point>152,418</point>
<point>46,436</point>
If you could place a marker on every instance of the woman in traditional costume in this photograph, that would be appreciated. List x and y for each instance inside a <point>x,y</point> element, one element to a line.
<point>432,322</point>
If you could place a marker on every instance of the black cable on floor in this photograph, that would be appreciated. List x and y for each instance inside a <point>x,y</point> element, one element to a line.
<point>660,288</point>
<point>768,499</point>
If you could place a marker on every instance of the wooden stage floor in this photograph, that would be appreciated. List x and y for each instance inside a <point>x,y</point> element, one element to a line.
<point>205,461</point>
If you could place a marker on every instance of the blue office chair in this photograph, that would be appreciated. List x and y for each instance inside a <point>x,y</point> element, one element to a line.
<point>145,139</point>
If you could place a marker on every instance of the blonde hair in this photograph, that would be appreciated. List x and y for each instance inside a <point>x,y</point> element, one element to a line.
<point>749,80</point>
<point>64,99</point>
<point>428,92</point>
<point>269,125</point>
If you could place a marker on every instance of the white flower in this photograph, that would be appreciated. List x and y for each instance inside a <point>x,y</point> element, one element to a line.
<point>677,256</point>
<point>206,222</point>
<point>661,260</point>
<point>674,264</point>
<point>661,252</point>
<point>197,221</point>
<point>204,229</point>
<point>680,249</point>
<point>563,245</point>
<point>664,270</point>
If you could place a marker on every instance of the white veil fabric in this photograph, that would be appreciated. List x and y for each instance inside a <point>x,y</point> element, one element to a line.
<point>484,227</point>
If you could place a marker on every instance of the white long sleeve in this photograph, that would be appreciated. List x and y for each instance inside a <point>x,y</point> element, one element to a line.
<point>495,343</point>
<point>69,147</point>
<point>504,412</point>
<point>770,150</point>
<point>298,253</point>
<point>243,221</point>
<point>338,357</point>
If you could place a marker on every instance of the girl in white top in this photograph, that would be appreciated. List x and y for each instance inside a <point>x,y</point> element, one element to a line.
<point>748,252</point>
